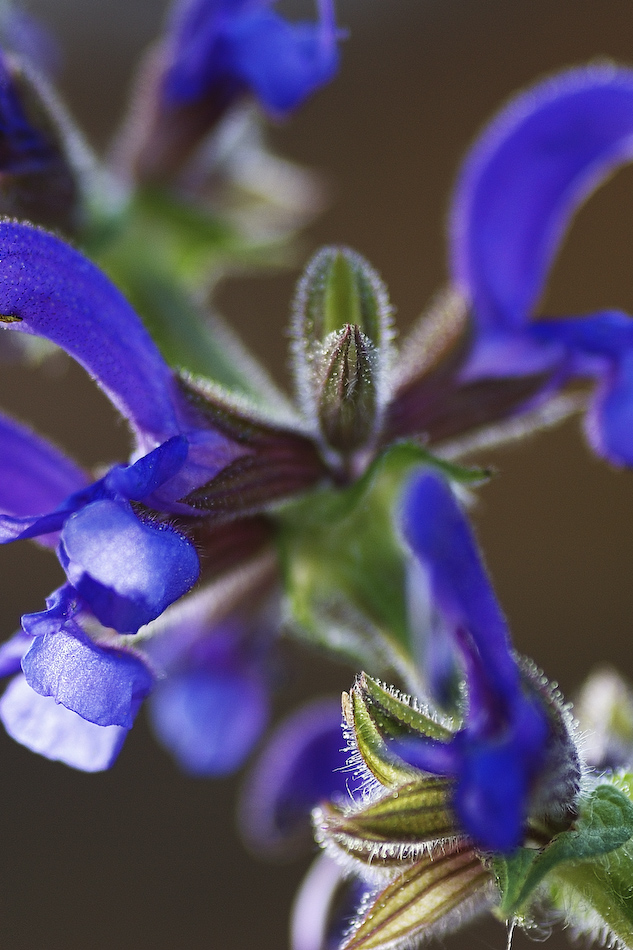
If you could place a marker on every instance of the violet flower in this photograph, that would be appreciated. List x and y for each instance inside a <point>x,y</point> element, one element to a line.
<point>225,47</point>
<point>496,756</point>
<point>481,358</point>
<point>37,167</point>
<point>303,763</point>
<point>76,700</point>
<point>211,699</point>
<point>518,190</point>
<point>77,688</point>
<point>124,559</point>
<point>216,53</point>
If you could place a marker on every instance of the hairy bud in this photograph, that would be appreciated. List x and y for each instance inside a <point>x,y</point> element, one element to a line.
<point>342,347</point>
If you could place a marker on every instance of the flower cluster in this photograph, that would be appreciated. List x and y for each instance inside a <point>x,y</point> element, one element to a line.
<point>340,517</point>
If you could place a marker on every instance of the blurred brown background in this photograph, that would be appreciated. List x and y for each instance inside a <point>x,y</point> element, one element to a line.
<point>142,857</point>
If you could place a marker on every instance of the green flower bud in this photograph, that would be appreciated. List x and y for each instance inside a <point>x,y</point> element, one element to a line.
<point>347,401</point>
<point>342,348</point>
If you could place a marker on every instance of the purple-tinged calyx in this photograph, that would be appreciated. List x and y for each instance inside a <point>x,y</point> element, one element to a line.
<point>38,180</point>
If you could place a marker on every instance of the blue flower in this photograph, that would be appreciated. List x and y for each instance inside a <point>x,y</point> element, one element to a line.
<point>519,187</point>
<point>480,357</point>
<point>218,49</point>
<point>76,700</point>
<point>78,687</point>
<point>496,756</point>
<point>40,179</point>
<point>215,54</point>
<point>124,558</point>
<point>303,763</point>
<point>211,700</point>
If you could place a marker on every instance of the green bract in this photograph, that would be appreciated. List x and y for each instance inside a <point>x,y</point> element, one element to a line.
<point>344,564</point>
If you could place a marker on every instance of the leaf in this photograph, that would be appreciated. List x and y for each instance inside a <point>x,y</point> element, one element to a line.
<point>596,894</point>
<point>423,898</point>
<point>605,823</point>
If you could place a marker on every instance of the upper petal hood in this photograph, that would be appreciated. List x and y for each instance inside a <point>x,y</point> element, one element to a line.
<point>523,180</point>
<point>49,289</point>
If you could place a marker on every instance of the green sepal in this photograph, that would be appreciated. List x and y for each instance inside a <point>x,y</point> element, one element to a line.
<point>340,287</point>
<point>387,768</point>
<point>415,814</point>
<point>344,564</point>
<point>395,716</point>
<point>423,897</point>
<point>604,824</point>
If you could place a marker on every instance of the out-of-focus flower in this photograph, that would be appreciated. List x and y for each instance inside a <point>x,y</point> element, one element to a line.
<point>519,187</point>
<point>38,179</point>
<point>302,763</point>
<point>212,56</point>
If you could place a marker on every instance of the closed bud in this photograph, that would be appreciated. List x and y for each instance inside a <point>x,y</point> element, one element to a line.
<point>348,400</point>
<point>342,347</point>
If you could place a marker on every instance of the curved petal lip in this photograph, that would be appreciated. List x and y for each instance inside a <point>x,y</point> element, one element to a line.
<point>524,179</point>
<point>49,289</point>
<point>55,732</point>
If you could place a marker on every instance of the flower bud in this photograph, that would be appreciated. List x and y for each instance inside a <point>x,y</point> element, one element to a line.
<point>342,347</point>
<point>348,397</point>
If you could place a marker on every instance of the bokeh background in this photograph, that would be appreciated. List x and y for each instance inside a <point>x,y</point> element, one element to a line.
<point>142,857</point>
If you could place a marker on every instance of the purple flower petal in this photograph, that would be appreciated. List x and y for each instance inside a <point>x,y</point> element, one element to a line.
<point>208,720</point>
<point>232,46</point>
<point>302,764</point>
<point>495,775</point>
<point>35,477</point>
<point>325,906</point>
<point>62,605</point>
<point>43,726</point>
<point>499,751</point>
<point>24,149</point>
<point>609,421</point>
<point>440,537</point>
<point>429,755</point>
<point>128,571</point>
<point>310,912</point>
<point>282,63</point>
<point>525,178</point>
<point>600,345</point>
<point>49,289</point>
<point>101,685</point>
<point>139,480</point>
<point>11,653</point>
